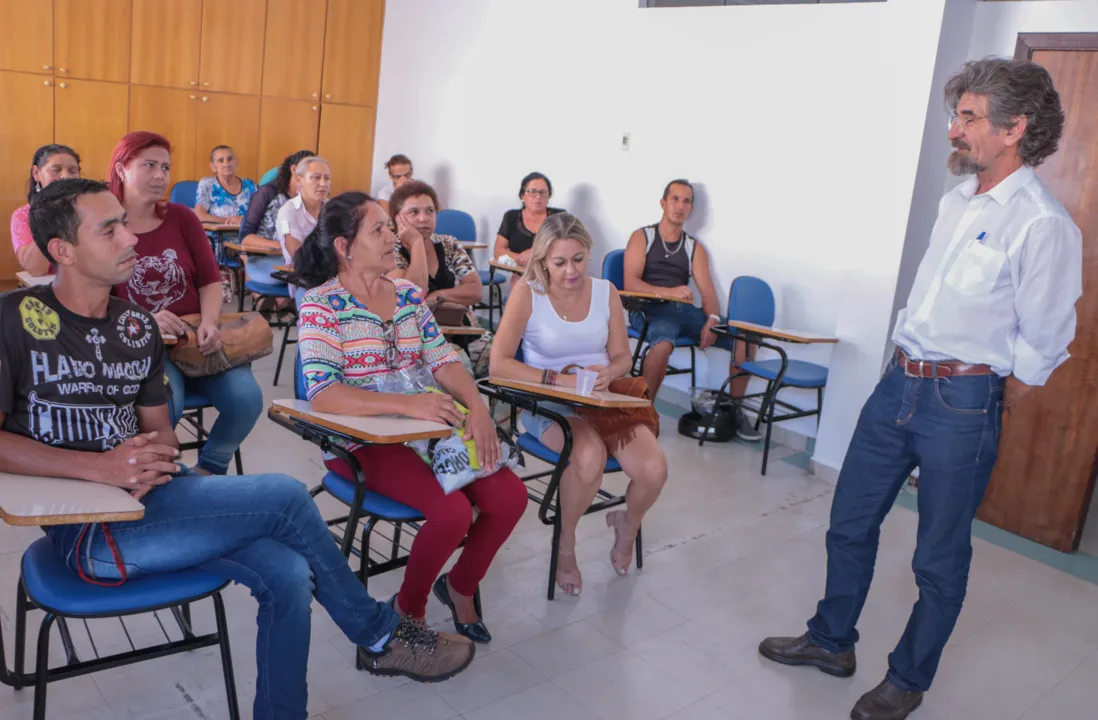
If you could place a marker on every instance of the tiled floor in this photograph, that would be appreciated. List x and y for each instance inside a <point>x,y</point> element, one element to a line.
<point>731,557</point>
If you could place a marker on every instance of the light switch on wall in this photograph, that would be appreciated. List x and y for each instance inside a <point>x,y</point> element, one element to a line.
<point>625,141</point>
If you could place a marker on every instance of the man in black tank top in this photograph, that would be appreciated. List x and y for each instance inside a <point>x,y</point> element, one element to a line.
<point>662,258</point>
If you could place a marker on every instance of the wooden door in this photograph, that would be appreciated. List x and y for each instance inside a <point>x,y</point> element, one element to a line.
<point>286,126</point>
<point>352,51</point>
<point>1042,484</point>
<point>91,39</point>
<point>173,114</point>
<point>231,120</point>
<point>294,51</point>
<point>165,43</point>
<point>232,46</point>
<point>347,142</point>
<point>26,123</point>
<point>26,36</point>
<point>90,117</point>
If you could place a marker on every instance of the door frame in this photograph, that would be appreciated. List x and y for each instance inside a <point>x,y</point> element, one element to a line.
<point>1030,42</point>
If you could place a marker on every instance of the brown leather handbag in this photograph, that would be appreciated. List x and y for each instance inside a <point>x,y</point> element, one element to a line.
<point>618,426</point>
<point>245,337</point>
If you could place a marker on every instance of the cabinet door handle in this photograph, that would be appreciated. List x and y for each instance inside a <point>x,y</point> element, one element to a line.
<point>50,67</point>
<point>316,107</point>
<point>316,96</point>
<point>204,98</point>
<point>62,86</point>
<point>47,83</point>
<point>328,96</point>
<point>194,83</point>
<point>62,70</point>
<point>194,97</point>
<point>205,84</point>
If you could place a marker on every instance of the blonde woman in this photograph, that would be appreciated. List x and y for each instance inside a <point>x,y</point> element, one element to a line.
<point>563,317</point>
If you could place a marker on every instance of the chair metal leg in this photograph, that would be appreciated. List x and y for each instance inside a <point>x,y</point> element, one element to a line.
<point>639,549</point>
<point>20,635</point>
<point>693,382</point>
<point>364,555</point>
<point>396,540</point>
<point>226,657</point>
<point>769,428</point>
<point>71,657</point>
<point>42,666</point>
<point>239,462</point>
<point>553,556</point>
<point>240,303</point>
<point>182,614</point>
<point>282,352</point>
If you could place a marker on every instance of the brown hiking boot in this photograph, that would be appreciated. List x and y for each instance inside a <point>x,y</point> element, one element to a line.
<point>418,652</point>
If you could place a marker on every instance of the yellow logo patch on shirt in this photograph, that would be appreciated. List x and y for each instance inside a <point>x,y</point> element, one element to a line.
<point>39,320</point>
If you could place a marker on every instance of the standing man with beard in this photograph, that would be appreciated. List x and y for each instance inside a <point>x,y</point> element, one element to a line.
<point>990,316</point>
<point>662,258</point>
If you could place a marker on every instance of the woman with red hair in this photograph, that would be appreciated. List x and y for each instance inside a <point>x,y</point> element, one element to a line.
<point>176,274</point>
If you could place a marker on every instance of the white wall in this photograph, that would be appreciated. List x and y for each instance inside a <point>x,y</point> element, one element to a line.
<point>802,126</point>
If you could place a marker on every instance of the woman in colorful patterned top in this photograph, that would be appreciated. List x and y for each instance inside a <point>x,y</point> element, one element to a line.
<point>357,327</point>
<point>436,263</point>
<point>51,162</point>
<point>224,197</point>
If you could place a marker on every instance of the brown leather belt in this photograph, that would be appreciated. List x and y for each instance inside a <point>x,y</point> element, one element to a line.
<point>945,368</point>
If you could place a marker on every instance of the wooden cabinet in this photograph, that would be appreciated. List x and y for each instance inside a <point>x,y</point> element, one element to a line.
<point>91,117</point>
<point>352,51</point>
<point>347,142</point>
<point>173,114</point>
<point>232,46</point>
<point>26,36</point>
<point>26,120</point>
<point>231,120</point>
<point>165,43</point>
<point>286,126</point>
<point>86,37</point>
<point>294,53</point>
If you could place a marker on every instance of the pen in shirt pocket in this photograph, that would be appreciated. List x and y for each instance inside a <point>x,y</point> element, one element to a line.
<point>980,237</point>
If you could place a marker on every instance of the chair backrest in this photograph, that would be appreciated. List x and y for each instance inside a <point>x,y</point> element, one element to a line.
<point>613,268</point>
<point>457,223</point>
<point>299,378</point>
<point>268,176</point>
<point>751,300</point>
<point>185,192</point>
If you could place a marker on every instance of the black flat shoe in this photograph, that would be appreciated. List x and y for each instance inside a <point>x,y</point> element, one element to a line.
<point>474,631</point>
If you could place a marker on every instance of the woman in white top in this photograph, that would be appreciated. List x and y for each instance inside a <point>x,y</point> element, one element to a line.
<point>297,218</point>
<point>562,317</point>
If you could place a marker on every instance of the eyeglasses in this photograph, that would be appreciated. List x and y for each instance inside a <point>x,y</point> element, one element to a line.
<point>965,120</point>
<point>392,354</point>
<point>537,193</point>
<point>401,176</point>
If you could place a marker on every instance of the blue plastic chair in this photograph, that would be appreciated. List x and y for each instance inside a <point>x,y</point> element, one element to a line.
<point>548,499</point>
<point>363,504</point>
<point>185,192</point>
<point>193,405</point>
<point>47,584</point>
<point>458,223</point>
<point>268,176</point>
<point>750,299</point>
<point>613,269</point>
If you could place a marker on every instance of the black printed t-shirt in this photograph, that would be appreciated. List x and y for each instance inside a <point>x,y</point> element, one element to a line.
<point>73,381</point>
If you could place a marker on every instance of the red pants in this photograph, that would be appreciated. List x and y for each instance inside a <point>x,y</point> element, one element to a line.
<point>398,472</point>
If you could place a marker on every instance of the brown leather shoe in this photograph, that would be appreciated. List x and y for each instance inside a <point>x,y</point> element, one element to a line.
<point>802,651</point>
<point>886,702</point>
<point>418,652</point>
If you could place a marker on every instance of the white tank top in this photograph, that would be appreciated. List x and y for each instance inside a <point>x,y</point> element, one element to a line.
<point>551,342</point>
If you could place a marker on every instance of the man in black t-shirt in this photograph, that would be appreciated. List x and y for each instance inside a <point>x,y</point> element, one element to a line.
<point>82,395</point>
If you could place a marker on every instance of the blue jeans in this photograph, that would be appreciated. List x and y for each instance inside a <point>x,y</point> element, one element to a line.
<point>949,428</point>
<point>264,532</point>
<point>669,321</point>
<point>238,400</point>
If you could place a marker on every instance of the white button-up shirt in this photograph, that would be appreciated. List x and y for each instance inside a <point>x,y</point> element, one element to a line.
<point>999,282</point>
<point>293,219</point>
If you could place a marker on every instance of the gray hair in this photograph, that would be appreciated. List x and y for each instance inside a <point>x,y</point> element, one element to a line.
<point>562,226</point>
<point>303,164</point>
<point>1014,88</point>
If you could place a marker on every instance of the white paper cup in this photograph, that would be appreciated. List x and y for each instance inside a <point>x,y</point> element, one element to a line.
<point>585,381</point>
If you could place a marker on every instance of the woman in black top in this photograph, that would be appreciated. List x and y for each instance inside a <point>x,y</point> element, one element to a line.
<point>516,232</point>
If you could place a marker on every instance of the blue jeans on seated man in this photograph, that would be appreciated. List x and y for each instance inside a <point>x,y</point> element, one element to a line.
<point>264,532</point>
<point>235,395</point>
<point>949,428</point>
<point>669,321</point>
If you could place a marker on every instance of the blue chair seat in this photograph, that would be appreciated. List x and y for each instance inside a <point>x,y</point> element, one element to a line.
<point>52,585</point>
<point>497,278</point>
<point>373,503</point>
<point>268,289</point>
<point>196,400</point>
<point>798,374</point>
<point>232,263</point>
<point>681,341</point>
<point>532,445</point>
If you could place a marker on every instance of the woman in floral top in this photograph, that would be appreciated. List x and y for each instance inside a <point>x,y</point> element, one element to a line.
<point>224,197</point>
<point>436,263</point>
<point>356,327</point>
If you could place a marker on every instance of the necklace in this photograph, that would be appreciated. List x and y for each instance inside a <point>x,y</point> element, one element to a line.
<point>668,252</point>
<point>571,308</point>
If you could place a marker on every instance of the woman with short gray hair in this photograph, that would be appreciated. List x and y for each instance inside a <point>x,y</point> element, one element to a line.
<point>298,217</point>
